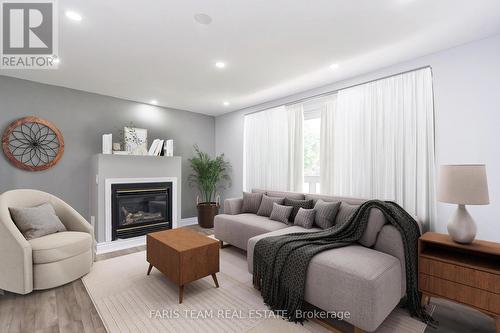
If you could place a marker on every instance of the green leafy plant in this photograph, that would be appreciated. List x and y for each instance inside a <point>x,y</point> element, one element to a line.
<point>209,174</point>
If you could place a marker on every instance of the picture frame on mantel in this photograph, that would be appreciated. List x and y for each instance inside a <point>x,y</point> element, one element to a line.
<point>136,140</point>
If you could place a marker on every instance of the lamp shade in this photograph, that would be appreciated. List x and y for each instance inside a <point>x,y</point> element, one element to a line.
<point>464,184</point>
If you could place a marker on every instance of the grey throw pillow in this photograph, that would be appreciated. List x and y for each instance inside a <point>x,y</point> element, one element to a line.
<point>280,213</point>
<point>251,202</point>
<point>37,221</point>
<point>345,212</point>
<point>305,218</point>
<point>325,213</point>
<point>266,205</point>
<point>296,204</point>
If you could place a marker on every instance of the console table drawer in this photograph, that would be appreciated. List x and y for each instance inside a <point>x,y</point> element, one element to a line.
<point>471,277</point>
<point>464,294</point>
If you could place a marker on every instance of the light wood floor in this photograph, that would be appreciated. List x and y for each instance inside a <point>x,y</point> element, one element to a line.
<point>69,309</point>
<point>66,309</point>
<point>63,309</point>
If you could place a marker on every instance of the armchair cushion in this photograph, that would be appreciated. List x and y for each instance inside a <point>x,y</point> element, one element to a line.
<point>60,246</point>
<point>34,222</point>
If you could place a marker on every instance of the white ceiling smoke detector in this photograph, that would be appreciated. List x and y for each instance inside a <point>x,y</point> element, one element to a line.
<point>202,18</point>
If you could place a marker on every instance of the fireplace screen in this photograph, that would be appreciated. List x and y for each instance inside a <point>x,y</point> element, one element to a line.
<point>141,208</point>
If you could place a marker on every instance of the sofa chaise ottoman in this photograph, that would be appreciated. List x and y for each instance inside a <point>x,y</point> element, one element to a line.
<point>366,279</point>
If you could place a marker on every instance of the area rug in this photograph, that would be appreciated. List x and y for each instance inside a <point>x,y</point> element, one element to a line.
<point>128,300</point>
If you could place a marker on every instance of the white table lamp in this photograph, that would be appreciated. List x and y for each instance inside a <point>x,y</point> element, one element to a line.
<point>463,184</point>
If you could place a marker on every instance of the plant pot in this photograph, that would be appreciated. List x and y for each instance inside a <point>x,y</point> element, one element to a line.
<point>206,213</point>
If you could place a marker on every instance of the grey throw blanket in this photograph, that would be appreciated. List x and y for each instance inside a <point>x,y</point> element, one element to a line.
<point>281,262</point>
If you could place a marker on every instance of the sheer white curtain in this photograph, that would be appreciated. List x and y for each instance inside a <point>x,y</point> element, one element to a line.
<point>383,142</point>
<point>295,147</point>
<point>326,156</point>
<point>273,149</point>
<point>266,150</point>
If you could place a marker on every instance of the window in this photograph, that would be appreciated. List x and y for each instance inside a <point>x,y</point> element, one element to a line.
<point>311,147</point>
<point>311,130</point>
<point>373,140</point>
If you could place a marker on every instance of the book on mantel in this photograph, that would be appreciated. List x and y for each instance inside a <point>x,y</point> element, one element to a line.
<point>161,148</point>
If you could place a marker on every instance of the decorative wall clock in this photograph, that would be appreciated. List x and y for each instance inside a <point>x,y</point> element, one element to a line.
<point>33,144</point>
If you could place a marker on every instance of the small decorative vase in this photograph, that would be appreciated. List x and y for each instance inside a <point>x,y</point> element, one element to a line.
<point>462,227</point>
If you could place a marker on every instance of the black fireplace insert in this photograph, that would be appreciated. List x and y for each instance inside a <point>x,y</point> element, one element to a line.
<point>140,208</point>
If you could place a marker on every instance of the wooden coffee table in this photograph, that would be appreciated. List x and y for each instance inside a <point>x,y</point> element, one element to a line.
<point>183,255</point>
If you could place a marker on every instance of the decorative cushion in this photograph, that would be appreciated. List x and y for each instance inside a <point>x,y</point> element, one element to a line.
<point>305,218</point>
<point>251,202</point>
<point>325,213</point>
<point>281,213</point>
<point>266,205</point>
<point>34,222</point>
<point>345,212</point>
<point>296,204</point>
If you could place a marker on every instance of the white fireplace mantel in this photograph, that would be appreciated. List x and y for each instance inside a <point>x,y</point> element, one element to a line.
<point>116,169</point>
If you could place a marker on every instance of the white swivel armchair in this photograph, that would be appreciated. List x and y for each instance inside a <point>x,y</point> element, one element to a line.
<point>48,261</point>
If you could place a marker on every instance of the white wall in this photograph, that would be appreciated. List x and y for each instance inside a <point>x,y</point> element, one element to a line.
<point>467,109</point>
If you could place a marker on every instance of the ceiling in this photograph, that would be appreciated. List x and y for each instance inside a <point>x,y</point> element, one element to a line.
<point>155,50</point>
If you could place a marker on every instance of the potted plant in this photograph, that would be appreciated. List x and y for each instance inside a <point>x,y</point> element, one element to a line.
<point>209,175</point>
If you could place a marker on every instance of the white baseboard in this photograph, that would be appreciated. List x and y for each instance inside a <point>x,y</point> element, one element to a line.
<point>120,244</point>
<point>188,221</point>
<point>123,244</point>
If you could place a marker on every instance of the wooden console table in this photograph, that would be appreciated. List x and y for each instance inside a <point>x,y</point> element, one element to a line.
<point>466,274</point>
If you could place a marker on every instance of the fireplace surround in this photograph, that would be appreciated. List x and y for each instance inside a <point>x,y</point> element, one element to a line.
<point>109,170</point>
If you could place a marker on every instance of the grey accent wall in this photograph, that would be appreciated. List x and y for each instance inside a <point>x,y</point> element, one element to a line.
<point>82,118</point>
<point>467,109</point>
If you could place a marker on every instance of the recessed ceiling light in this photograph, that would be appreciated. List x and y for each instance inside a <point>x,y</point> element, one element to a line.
<point>220,64</point>
<point>334,66</point>
<point>225,103</point>
<point>154,102</point>
<point>73,15</point>
<point>202,18</point>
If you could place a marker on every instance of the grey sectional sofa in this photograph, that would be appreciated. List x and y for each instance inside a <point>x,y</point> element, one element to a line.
<point>365,279</point>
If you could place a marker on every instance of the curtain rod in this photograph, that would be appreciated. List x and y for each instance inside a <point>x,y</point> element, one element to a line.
<point>337,90</point>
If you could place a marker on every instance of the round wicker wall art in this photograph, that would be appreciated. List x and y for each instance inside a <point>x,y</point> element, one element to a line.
<point>33,144</point>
